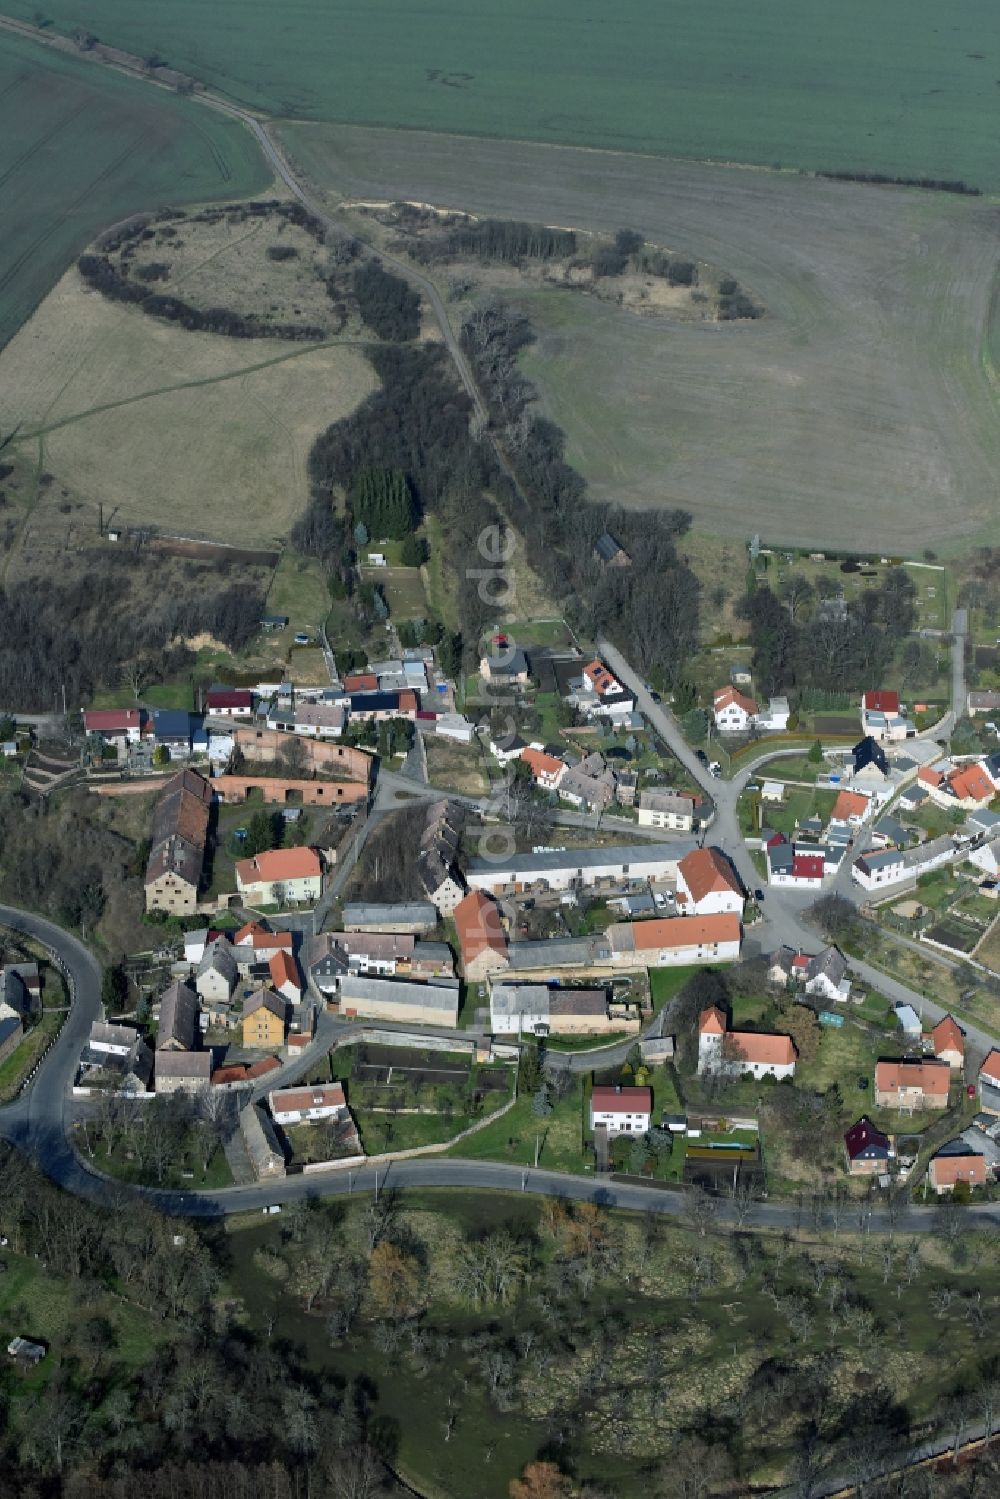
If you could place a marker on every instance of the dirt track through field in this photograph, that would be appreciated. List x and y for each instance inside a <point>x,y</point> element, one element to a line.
<point>858,412</point>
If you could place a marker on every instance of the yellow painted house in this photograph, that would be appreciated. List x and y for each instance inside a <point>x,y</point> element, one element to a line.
<point>264,1021</point>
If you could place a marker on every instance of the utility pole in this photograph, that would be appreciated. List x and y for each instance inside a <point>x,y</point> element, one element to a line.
<point>538,1149</point>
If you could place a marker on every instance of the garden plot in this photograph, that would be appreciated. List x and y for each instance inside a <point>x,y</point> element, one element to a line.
<point>953,932</point>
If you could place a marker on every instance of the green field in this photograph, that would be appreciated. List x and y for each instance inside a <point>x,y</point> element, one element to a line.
<point>903,86</point>
<point>81,147</point>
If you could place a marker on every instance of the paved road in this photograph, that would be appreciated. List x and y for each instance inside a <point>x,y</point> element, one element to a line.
<point>959,630</point>
<point>784,911</point>
<point>38,1121</point>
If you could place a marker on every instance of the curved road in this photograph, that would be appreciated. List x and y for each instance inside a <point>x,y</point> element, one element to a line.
<point>784,910</point>
<point>39,1123</point>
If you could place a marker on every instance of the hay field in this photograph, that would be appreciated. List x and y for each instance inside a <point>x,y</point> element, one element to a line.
<point>187,431</point>
<point>859,412</point>
<point>905,86</point>
<point>81,147</point>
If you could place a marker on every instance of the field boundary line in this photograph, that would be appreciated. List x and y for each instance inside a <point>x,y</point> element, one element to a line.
<point>166,390</point>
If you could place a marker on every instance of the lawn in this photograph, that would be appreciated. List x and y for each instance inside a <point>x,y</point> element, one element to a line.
<point>83,147</point>
<point>441,581</point>
<point>15,1069</point>
<point>789,768</point>
<point>932,583</point>
<point>37,1304</point>
<point>299,590</point>
<point>665,982</point>
<point>383,1132</point>
<point>798,805</point>
<point>933,819</point>
<point>186,1175</point>
<point>586,1043</point>
<point>513,1137</point>
<point>988,952</point>
<point>845,1054</point>
<point>938,889</point>
<point>160,695</point>
<point>403,588</point>
<point>550,632</point>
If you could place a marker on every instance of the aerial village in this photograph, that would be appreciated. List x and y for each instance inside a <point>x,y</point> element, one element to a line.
<point>553,945</point>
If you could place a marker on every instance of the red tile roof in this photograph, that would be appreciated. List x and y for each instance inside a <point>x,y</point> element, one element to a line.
<point>686,931</point>
<point>930,1077</point>
<point>990,1070</point>
<point>540,764</point>
<point>706,871</point>
<point>477,921</point>
<point>112,720</point>
<point>712,1022</point>
<point>947,1035</point>
<point>326,1096</point>
<point>278,864</point>
<point>807,867</point>
<point>623,1100</point>
<point>256,935</point>
<point>229,697</point>
<point>881,702</point>
<point>849,804</point>
<point>360,681</point>
<point>948,1170</point>
<point>972,784</point>
<point>763,1048</point>
<point>724,696</point>
<point>262,1068</point>
<point>235,1073</point>
<point>283,971</point>
<point>597,673</point>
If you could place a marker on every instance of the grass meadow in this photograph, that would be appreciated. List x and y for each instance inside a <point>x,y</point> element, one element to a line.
<point>81,147</point>
<point>904,87</point>
<point>188,431</point>
<point>862,405</point>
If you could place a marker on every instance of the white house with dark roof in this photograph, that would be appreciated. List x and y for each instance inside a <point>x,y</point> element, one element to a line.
<point>826,976</point>
<point>666,809</point>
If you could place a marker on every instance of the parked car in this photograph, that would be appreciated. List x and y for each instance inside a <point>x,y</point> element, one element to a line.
<point>758,895</point>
